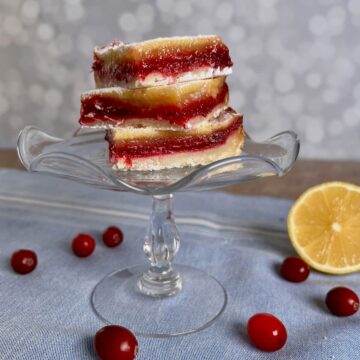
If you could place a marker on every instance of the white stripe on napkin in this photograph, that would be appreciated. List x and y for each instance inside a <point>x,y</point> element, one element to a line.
<point>139,216</point>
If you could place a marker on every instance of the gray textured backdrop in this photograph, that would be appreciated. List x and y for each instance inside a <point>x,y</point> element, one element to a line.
<point>296,63</point>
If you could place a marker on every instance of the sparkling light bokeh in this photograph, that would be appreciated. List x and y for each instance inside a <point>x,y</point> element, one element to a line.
<point>296,64</point>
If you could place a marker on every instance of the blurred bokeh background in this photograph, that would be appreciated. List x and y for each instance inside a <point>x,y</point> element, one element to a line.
<point>296,63</point>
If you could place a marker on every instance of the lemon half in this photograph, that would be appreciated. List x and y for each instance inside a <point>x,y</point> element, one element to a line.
<point>324,227</point>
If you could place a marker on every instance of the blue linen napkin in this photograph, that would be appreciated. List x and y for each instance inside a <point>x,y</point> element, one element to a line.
<point>239,240</point>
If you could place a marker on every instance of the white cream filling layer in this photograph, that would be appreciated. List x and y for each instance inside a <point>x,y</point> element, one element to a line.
<point>158,79</point>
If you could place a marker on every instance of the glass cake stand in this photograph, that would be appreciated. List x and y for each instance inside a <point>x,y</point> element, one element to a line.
<point>142,298</point>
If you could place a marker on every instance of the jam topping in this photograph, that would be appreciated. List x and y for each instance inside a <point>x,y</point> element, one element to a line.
<point>170,65</point>
<point>179,142</point>
<point>99,108</point>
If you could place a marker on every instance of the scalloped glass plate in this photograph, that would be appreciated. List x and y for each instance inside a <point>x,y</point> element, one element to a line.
<point>149,291</point>
<point>84,158</point>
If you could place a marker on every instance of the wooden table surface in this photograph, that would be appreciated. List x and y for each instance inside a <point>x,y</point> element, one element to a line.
<point>305,173</point>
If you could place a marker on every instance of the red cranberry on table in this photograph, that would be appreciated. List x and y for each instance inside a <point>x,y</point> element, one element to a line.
<point>267,332</point>
<point>83,245</point>
<point>342,301</point>
<point>112,236</point>
<point>294,269</point>
<point>23,261</point>
<point>114,342</point>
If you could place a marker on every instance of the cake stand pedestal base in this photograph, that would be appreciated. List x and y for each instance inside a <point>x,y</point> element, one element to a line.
<point>117,300</point>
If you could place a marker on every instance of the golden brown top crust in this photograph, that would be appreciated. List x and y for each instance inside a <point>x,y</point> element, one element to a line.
<point>157,47</point>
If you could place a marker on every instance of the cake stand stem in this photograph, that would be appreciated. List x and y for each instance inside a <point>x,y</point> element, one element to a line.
<point>161,244</point>
<point>145,291</point>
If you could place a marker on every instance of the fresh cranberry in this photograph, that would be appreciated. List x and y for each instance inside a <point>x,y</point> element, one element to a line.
<point>295,269</point>
<point>267,332</point>
<point>114,342</point>
<point>83,245</point>
<point>113,236</point>
<point>23,261</point>
<point>342,301</point>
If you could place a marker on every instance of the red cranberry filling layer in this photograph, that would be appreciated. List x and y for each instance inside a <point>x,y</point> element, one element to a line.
<point>167,145</point>
<point>99,108</point>
<point>171,65</point>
